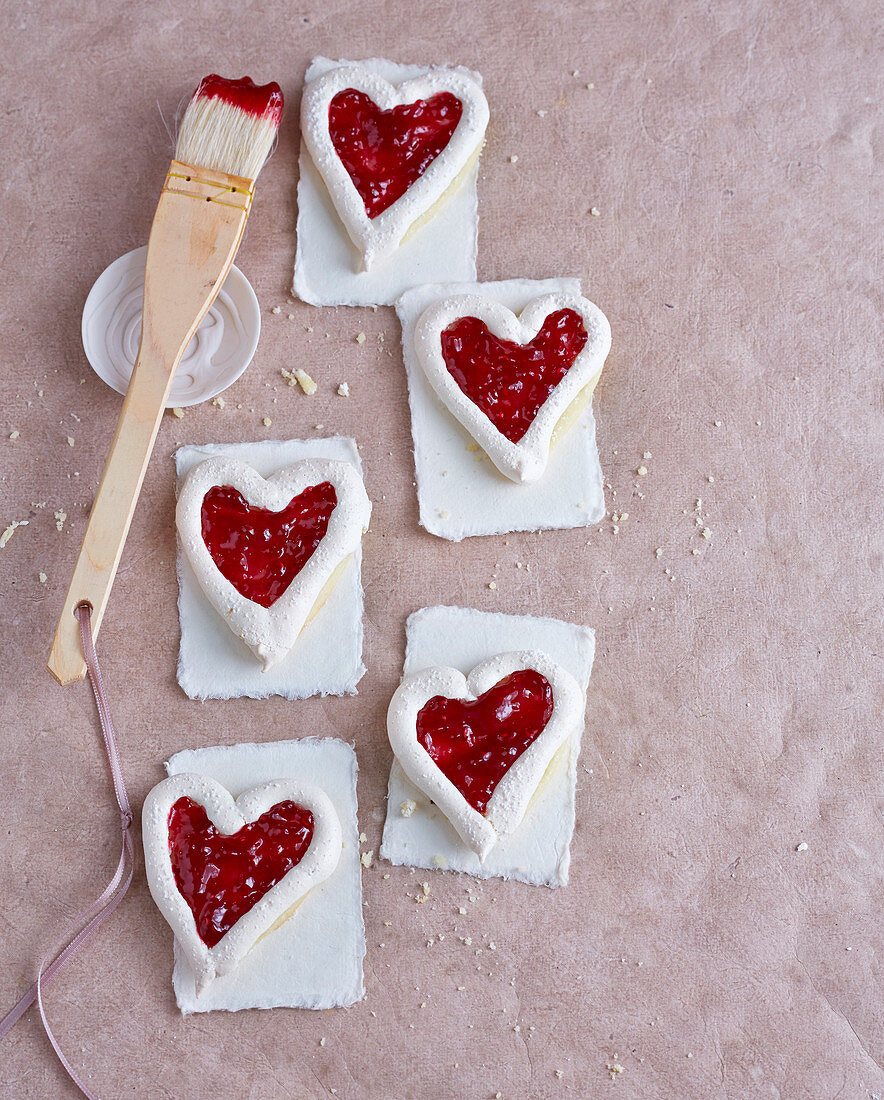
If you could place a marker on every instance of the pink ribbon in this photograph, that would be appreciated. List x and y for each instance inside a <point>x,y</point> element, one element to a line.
<point>98,912</point>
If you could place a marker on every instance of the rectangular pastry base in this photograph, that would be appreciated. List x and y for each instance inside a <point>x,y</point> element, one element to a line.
<point>538,852</point>
<point>327,263</point>
<point>460,491</point>
<point>314,959</point>
<point>213,663</point>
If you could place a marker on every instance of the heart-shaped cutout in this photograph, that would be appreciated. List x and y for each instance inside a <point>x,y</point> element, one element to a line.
<point>475,742</point>
<point>261,551</point>
<point>388,153</point>
<point>512,381</point>
<point>222,877</point>
<point>266,552</point>
<point>479,745</point>
<point>224,872</point>
<point>384,152</point>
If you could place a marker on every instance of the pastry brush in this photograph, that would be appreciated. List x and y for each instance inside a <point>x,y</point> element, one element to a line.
<point>226,134</point>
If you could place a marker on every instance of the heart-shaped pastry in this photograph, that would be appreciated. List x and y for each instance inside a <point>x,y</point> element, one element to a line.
<point>515,383</point>
<point>267,551</point>
<point>479,745</point>
<point>224,872</point>
<point>388,153</point>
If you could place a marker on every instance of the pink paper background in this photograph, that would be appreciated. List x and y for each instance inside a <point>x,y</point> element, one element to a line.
<point>729,147</point>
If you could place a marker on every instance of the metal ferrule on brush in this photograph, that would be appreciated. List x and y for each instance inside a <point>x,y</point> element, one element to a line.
<point>209,185</point>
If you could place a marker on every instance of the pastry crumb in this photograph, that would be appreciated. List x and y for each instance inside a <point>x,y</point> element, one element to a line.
<point>42,578</point>
<point>11,529</point>
<point>695,551</point>
<point>70,441</point>
<point>492,585</point>
<point>642,471</point>
<point>541,114</point>
<point>367,858</point>
<point>440,861</point>
<point>710,479</point>
<point>343,390</point>
<point>706,533</point>
<point>14,435</point>
<point>589,87</point>
<point>408,807</point>
<point>178,413</point>
<point>362,838</point>
<point>658,553</point>
<point>360,337</point>
<point>60,517</point>
<point>322,1041</point>
<point>303,379</point>
<point>558,1073</point>
<point>276,309</point>
<point>614,1070</point>
<point>218,402</point>
<point>595,212</point>
<point>514,160</point>
<point>647,455</point>
<point>291,316</point>
<point>802,847</point>
<point>266,421</point>
<point>461,910</point>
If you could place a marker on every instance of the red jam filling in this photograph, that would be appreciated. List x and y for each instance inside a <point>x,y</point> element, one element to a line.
<point>259,551</point>
<point>476,743</point>
<point>384,152</point>
<point>509,381</point>
<point>255,99</point>
<point>222,877</point>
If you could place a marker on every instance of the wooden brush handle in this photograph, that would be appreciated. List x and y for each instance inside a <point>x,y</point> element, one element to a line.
<point>196,231</point>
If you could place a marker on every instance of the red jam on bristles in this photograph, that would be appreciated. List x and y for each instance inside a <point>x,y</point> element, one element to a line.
<point>261,100</point>
<point>384,152</point>
<point>475,743</point>
<point>221,877</point>
<point>509,381</point>
<point>259,551</point>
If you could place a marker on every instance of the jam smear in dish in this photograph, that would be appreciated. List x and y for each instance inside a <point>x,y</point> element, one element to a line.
<point>384,152</point>
<point>259,551</point>
<point>475,743</point>
<point>509,381</point>
<point>221,877</point>
<point>261,100</point>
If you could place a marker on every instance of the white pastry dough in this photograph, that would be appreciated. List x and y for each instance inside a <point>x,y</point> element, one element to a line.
<point>229,816</point>
<point>538,851</point>
<point>526,460</point>
<point>378,238</point>
<point>460,492</point>
<point>513,793</point>
<point>313,961</point>
<point>270,632</point>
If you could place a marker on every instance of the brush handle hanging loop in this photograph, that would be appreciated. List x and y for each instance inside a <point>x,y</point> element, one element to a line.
<point>196,232</point>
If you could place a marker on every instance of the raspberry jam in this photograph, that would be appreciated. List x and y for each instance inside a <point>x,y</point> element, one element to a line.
<point>509,381</point>
<point>259,551</point>
<point>260,100</point>
<point>384,152</point>
<point>222,877</point>
<point>475,743</point>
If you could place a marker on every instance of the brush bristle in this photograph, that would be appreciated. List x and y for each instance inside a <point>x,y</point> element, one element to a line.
<point>230,125</point>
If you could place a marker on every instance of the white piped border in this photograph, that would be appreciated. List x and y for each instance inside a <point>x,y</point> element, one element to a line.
<point>523,462</point>
<point>229,816</point>
<point>270,632</point>
<point>513,793</point>
<point>377,238</point>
